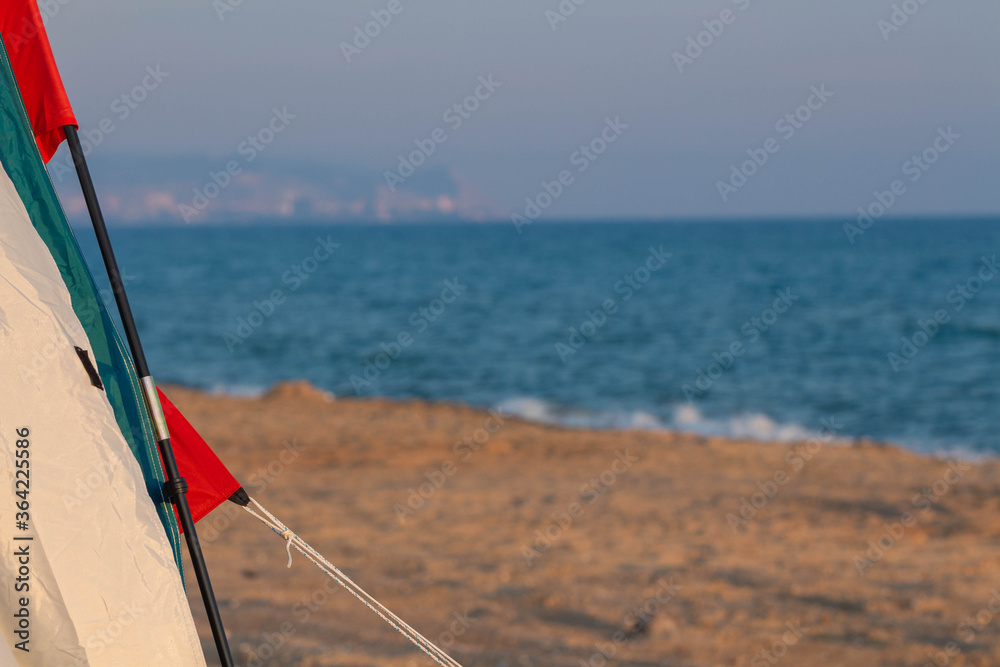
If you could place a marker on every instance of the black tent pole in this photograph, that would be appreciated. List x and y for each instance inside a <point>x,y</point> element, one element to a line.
<point>175,487</point>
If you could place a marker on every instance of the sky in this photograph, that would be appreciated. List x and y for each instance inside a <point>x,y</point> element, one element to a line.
<point>692,88</point>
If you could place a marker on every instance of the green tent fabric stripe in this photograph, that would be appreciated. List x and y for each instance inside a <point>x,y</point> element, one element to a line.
<point>23,164</point>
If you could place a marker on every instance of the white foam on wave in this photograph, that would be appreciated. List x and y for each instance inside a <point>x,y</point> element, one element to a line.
<point>544,412</point>
<point>238,390</point>
<point>752,426</point>
<point>749,426</point>
<point>687,418</point>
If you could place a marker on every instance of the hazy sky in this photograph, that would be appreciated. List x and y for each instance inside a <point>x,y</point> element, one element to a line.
<point>609,59</point>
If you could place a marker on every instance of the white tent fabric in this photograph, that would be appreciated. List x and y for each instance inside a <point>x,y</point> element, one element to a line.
<point>91,564</point>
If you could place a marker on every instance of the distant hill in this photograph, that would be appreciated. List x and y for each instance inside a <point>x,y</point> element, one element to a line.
<point>195,190</point>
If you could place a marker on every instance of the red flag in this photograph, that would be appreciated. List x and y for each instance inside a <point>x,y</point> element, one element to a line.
<point>209,482</point>
<point>35,70</point>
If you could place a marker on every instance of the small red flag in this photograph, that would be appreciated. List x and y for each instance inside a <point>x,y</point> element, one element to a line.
<point>209,482</point>
<point>35,70</point>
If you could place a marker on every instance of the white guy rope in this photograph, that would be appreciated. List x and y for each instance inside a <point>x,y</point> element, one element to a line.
<point>293,540</point>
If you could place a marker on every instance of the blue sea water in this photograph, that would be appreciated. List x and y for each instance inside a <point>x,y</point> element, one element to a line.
<point>205,303</point>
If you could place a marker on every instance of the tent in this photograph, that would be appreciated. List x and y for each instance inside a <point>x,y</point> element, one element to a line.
<point>98,497</point>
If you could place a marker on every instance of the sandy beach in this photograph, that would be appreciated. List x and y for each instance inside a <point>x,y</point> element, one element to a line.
<point>515,544</point>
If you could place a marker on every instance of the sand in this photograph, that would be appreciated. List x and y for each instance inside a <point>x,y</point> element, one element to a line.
<point>551,546</point>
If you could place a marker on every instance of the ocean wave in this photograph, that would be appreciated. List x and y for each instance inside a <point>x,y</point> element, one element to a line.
<point>238,390</point>
<point>748,426</point>
<point>686,418</point>
<point>544,412</point>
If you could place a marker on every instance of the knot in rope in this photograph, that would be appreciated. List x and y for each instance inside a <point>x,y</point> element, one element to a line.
<point>287,536</point>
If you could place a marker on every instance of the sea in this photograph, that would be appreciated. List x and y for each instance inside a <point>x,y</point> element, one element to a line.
<point>769,330</point>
